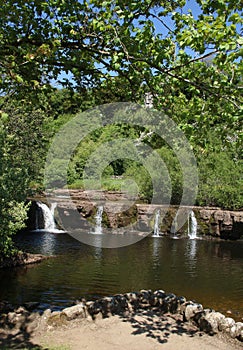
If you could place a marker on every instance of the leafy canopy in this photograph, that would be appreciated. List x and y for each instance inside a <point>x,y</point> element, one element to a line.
<point>138,40</point>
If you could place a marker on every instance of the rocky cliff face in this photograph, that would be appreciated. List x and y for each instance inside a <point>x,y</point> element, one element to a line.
<point>75,207</point>
<point>215,222</point>
<point>221,223</point>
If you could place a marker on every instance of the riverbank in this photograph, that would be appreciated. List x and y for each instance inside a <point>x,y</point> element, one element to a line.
<point>138,320</point>
<point>138,332</point>
<point>21,259</point>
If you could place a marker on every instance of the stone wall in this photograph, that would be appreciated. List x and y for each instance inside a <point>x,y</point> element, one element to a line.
<point>159,302</point>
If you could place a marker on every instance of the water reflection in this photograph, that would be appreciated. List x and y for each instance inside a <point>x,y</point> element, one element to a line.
<point>191,257</point>
<point>191,249</point>
<point>98,250</point>
<point>156,250</point>
<point>207,271</point>
<point>48,244</point>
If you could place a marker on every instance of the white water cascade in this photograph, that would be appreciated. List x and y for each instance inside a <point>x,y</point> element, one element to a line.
<point>48,218</point>
<point>192,225</point>
<point>156,224</point>
<point>174,228</point>
<point>98,220</point>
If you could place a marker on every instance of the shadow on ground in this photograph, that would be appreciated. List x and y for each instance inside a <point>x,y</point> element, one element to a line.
<point>160,326</point>
<point>16,332</point>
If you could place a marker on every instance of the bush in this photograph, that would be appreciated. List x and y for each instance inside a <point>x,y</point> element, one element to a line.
<point>221,182</point>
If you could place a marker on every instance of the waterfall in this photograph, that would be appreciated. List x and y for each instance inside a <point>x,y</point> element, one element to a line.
<point>156,224</point>
<point>192,225</point>
<point>174,228</point>
<point>47,214</point>
<point>98,220</point>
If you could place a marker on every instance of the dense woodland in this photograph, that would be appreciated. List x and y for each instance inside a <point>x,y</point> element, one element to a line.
<point>60,58</point>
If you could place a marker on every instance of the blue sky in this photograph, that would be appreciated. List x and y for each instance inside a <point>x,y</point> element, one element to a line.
<point>161,29</point>
<point>190,5</point>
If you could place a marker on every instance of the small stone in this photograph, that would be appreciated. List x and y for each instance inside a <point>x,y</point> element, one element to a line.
<point>11,316</point>
<point>46,314</point>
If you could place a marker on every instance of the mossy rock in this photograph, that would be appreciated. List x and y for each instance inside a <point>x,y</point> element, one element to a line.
<point>57,319</point>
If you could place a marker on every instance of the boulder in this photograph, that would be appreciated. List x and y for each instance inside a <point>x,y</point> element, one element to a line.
<point>156,299</point>
<point>236,330</point>
<point>191,310</point>
<point>241,336</point>
<point>209,322</point>
<point>76,311</point>
<point>226,323</point>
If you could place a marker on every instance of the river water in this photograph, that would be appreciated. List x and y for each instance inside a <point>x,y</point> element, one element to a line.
<point>207,271</point>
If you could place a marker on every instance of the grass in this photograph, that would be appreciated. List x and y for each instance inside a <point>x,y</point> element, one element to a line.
<point>118,184</point>
<point>107,184</point>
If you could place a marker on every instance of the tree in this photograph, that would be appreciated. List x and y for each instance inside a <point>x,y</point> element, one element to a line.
<point>92,39</point>
<point>12,207</point>
<point>143,46</point>
<point>155,46</point>
<point>22,149</point>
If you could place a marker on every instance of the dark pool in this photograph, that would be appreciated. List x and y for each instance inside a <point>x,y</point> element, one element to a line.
<point>210,272</point>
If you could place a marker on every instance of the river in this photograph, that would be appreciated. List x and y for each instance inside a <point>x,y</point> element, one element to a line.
<point>207,271</point>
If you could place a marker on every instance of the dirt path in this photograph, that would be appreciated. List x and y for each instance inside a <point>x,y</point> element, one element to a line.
<point>143,331</point>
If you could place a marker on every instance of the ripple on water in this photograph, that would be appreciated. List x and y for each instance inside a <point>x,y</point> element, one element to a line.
<point>209,272</point>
